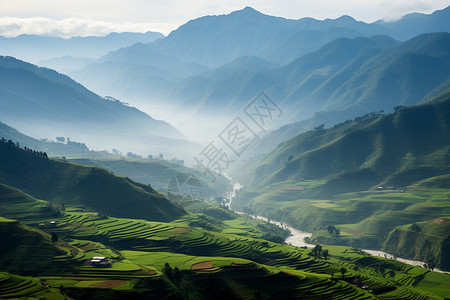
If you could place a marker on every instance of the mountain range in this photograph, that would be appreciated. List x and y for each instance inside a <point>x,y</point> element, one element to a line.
<point>390,146</point>
<point>307,65</point>
<point>215,40</point>
<point>375,178</point>
<point>50,147</point>
<point>362,161</point>
<point>80,186</point>
<point>45,48</point>
<point>43,103</point>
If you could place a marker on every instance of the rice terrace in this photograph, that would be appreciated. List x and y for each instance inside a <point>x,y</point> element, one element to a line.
<point>194,150</point>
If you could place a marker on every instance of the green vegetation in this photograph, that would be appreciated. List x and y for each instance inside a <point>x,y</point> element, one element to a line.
<point>84,187</point>
<point>19,287</point>
<point>373,178</point>
<point>204,251</point>
<point>156,172</point>
<point>162,259</point>
<point>426,241</point>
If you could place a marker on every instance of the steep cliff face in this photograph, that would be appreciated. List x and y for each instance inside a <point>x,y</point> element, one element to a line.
<point>425,241</point>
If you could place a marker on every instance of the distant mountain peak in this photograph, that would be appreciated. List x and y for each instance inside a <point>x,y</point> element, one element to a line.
<point>249,8</point>
<point>346,18</point>
<point>247,11</point>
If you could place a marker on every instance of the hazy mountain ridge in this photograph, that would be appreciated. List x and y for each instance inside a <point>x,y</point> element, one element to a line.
<point>371,79</point>
<point>414,24</point>
<point>51,148</point>
<point>388,145</point>
<point>355,76</point>
<point>378,180</point>
<point>375,177</point>
<point>216,40</point>
<point>50,47</point>
<point>89,187</point>
<point>54,105</point>
<point>213,41</point>
<point>136,71</point>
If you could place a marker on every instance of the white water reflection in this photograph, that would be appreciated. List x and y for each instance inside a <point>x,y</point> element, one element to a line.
<point>297,238</point>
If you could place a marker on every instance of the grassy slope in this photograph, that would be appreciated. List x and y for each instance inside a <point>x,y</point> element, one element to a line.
<point>75,185</point>
<point>212,264</point>
<point>51,148</point>
<point>396,151</point>
<point>19,287</point>
<point>364,218</point>
<point>15,204</point>
<point>153,244</point>
<point>24,249</point>
<point>389,146</point>
<point>425,241</point>
<point>158,173</point>
<point>428,240</point>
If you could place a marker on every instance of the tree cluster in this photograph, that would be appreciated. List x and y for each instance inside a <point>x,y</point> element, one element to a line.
<point>29,150</point>
<point>333,231</point>
<point>368,116</point>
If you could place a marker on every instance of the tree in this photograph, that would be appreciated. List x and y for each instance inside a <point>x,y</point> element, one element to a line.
<point>415,227</point>
<point>431,263</point>
<point>325,253</point>
<point>399,107</point>
<point>418,279</point>
<point>55,237</point>
<point>320,127</point>
<point>337,232</point>
<point>168,271</point>
<point>317,250</point>
<point>382,271</point>
<point>331,229</point>
<point>343,271</point>
<point>177,274</point>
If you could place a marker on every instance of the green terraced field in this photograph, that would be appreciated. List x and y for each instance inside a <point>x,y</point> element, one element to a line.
<point>231,262</point>
<point>363,218</point>
<point>148,245</point>
<point>14,287</point>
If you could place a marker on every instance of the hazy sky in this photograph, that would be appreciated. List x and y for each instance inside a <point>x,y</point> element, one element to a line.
<point>99,17</point>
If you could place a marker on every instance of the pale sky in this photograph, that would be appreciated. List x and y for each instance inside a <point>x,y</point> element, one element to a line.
<point>99,17</point>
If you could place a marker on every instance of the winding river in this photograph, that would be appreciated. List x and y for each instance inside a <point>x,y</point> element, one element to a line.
<point>297,237</point>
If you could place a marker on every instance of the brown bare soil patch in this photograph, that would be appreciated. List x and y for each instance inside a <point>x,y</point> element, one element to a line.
<point>441,221</point>
<point>145,271</point>
<point>80,278</point>
<point>239,264</point>
<point>202,266</point>
<point>109,284</point>
<point>287,273</point>
<point>180,230</point>
<point>87,247</point>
